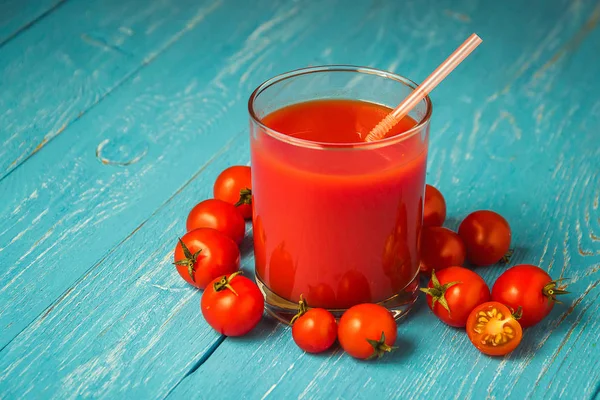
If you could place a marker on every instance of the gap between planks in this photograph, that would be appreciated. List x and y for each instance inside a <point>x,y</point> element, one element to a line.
<point>57,301</point>
<point>191,24</point>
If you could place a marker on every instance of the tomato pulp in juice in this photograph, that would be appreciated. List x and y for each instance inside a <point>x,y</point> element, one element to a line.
<point>339,225</point>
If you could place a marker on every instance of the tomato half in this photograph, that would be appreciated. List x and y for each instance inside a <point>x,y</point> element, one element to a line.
<point>234,185</point>
<point>367,331</point>
<point>314,330</point>
<point>486,235</point>
<point>454,292</point>
<point>440,248</point>
<point>205,254</point>
<point>232,305</point>
<point>530,288</point>
<point>219,215</point>
<point>493,330</point>
<point>434,208</point>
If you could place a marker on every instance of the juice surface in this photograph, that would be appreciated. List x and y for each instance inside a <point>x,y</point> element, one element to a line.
<point>338,227</point>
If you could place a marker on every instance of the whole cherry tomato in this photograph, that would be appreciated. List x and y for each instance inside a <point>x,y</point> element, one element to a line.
<point>314,330</point>
<point>454,292</point>
<point>232,305</point>
<point>353,288</point>
<point>434,209</point>
<point>493,330</point>
<point>218,215</point>
<point>486,235</point>
<point>205,254</point>
<point>440,248</point>
<point>367,331</point>
<point>530,288</point>
<point>234,185</point>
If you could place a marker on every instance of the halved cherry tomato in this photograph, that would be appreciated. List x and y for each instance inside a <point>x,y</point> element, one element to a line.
<point>434,209</point>
<point>234,185</point>
<point>493,330</point>
<point>367,331</point>
<point>454,292</point>
<point>219,215</point>
<point>486,235</point>
<point>314,330</point>
<point>440,248</point>
<point>232,305</point>
<point>205,254</point>
<point>530,288</point>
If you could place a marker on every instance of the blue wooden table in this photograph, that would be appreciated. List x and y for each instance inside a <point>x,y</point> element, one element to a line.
<point>117,115</point>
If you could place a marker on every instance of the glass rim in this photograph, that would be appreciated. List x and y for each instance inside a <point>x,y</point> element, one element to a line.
<point>422,123</point>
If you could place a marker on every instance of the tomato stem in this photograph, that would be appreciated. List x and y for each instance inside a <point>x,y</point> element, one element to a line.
<point>551,291</point>
<point>438,292</point>
<point>380,347</point>
<point>189,261</point>
<point>518,314</point>
<point>506,258</point>
<point>302,309</point>
<point>245,197</point>
<point>223,283</point>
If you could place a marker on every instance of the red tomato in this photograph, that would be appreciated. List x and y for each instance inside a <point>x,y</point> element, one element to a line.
<point>321,295</point>
<point>260,244</point>
<point>282,272</point>
<point>353,288</point>
<point>232,305</point>
<point>454,292</point>
<point>218,215</point>
<point>530,288</point>
<point>367,331</point>
<point>234,186</point>
<point>434,209</point>
<point>493,330</point>
<point>486,235</point>
<point>314,330</point>
<point>440,248</point>
<point>205,254</point>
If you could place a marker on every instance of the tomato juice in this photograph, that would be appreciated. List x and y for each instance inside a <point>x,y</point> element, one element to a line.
<point>336,219</point>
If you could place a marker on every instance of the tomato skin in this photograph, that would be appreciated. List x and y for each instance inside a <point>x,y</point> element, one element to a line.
<point>523,286</point>
<point>231,314</point>
<point>440,248</point>
<point>486,235</point>
<point>462,297</point>
<point>219,255</point>
<point>218,215</point>
<point>315,331</point>
<point>488,331</point>
<point>362,322</point>
<point>229,185</point>
<point>434,208</point>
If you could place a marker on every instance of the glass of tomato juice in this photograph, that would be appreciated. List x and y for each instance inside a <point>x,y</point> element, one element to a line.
<point>336,220</point>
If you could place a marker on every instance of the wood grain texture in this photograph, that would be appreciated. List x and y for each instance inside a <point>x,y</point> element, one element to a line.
<point>88,224</point>
<point>68,63</point>
<point>18,15</point>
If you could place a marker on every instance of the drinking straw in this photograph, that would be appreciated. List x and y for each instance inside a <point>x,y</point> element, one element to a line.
<point>383,127</point>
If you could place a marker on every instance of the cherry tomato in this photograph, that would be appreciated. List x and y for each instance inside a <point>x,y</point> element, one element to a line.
<point>234,186</point>
<point>314,330</point>
<point>530,288</point>
<point>486,235</point>
<point>353,288</point>
<point>454,292</point>
<point>281,274</point>
<point>440,248</point>
<point>321,295</point>
<point>367,331</point>
<point>493,330</point>
<point>232,305</point>
<point>260,243</point>
<point>218,215</point>
<point>205,254</point>
<point>434,209</point>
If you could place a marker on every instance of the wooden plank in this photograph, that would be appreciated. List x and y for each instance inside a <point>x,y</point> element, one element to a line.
<point>514,131</point>
<point>67,63</point>
<point>83,207</point>
<point>18,15</point>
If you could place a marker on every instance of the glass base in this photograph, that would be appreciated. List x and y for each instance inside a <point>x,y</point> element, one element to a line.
<point>284,310</point>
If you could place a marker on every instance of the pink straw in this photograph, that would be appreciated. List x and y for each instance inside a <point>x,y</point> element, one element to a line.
<point>424,88</point>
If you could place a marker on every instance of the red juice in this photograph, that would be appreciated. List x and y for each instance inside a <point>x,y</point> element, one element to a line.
<point>336,219</point>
